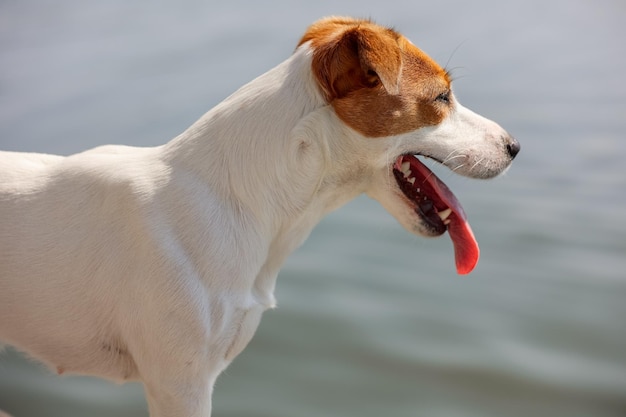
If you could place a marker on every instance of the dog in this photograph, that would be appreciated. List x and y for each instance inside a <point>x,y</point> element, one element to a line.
<point>156,264</point>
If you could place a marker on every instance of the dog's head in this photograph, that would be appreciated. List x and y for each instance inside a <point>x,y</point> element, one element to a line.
<point>400,102</point>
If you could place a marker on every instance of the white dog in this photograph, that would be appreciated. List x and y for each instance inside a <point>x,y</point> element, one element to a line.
<point>155,264</point>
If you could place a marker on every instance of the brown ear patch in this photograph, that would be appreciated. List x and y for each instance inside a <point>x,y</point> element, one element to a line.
<point>376,80</point>
<point>353,54</point>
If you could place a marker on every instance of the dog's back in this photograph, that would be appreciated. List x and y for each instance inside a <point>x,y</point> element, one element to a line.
<point>67,226</point>
<point>20,168</point>
<point>23,176</point>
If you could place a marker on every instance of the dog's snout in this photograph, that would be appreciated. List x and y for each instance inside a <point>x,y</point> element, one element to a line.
<point>512,146</point>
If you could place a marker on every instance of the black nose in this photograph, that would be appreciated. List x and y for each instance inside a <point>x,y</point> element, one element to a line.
<point>513,147</point>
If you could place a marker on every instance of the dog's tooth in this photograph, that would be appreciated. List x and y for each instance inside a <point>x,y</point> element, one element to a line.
<point>406,169</point>
<point>444,214</point>
<point>446,222</point>
<point>411,180</point>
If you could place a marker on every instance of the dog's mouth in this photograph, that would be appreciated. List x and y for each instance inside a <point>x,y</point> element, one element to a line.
<point>438,209</point>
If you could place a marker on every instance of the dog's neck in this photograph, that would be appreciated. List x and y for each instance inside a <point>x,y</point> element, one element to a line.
<point>265,151</point>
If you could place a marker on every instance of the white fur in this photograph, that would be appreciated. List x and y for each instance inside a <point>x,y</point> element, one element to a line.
<point>155,264</point>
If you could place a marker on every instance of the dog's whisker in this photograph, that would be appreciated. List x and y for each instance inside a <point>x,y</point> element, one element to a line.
<point>477,163</point>
<point>450,155</point>
<point>456,168</point>
<point>450,158</point>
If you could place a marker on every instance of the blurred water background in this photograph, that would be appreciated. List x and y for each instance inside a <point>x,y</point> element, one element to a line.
<point>371,321</point>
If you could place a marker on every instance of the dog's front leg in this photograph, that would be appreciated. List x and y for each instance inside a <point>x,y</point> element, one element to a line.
<point>179,375</point>
<point>190,398</point>
<point>176,361</point>
<point>180,384</point>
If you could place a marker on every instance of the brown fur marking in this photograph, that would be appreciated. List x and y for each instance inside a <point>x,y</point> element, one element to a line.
<point>376,80</point>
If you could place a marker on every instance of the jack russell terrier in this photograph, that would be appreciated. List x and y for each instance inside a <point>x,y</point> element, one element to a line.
<point>155,264</point>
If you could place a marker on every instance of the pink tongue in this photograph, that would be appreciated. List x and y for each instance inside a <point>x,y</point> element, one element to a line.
<point>466,251</point>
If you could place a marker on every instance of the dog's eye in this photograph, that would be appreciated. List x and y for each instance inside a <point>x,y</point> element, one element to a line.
<point>444,97</point>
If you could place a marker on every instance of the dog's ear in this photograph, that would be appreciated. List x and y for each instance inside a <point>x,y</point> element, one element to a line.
<point>356,58</point>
